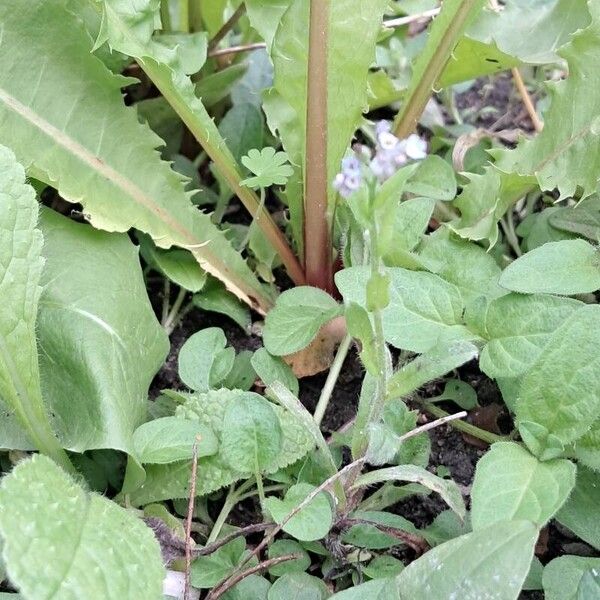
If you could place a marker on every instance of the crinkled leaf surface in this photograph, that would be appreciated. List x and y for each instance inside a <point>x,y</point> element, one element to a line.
<point>518,328</point>
<point>563,575</point>
<point>61,542</point>
<point>580,513</point>
<point>424,310</point>
<point>172,481</point>
<point>561,391</point>
<point>510,483</point>
<point>100,343</point>
<point>566,267</point>
<point>67,124</point>
<point>496,559</point>
<point>251,436</point>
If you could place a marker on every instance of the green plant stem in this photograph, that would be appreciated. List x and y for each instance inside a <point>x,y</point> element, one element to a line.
<point>227,26</point>
<point>508,226</point>
<point>184,16</point>
<point>482,434</point>
<point>317,230</point>
<point>332,378</point>
<point>39,430</point>
<point>438,50</point>
<point>380,347</point>
<point>171,319</point>
<point>165,17</point>
<point>195,9</point>
<point>165,301</point>
<point>230,501</point>
<point>256,219</point>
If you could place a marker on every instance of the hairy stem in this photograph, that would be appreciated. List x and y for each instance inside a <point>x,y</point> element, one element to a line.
<point>165,17</point>
<point>317,235</point>
<point>332,377</point>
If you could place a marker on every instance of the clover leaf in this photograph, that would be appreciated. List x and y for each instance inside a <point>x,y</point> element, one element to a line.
<point>270,168</point>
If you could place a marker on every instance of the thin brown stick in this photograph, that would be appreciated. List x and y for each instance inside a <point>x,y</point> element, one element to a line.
<point>221,589</point>
<point>227,538</point>
<point>427,14</point>
<point>227,27</point>
<point>236,49</point>
<point>188,521</point>
<point>538,124</point>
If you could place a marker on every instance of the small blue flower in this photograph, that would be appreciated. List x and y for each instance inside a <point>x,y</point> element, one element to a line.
<point>350,178</point>
<point>392,153</point>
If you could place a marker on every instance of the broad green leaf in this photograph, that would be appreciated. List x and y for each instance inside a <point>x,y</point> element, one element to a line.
<point>583,220</point>
<point>21,265</point>
<point>172,481</point>
<point>484,200</point>
<point>496,559</point>
<point>589,585</point>
<point>352,32</point>
<point>209,570</point>
<point>378,589</point>
<point>566,154</point>
<point>459,392</point>
<point>283,547</point>
<point>204,361</point>
<point>312,522</point>
<point>252,587</point>
<point>91,147</point>
<point>63,542</point>
<point>587,447</point>
<point>430,365</point>
<point>383,566</point>
<point>296,319</point>
<point>424,309</point>
<point>465,264</point>
<point>471,59</point>
<point>510,483</point>
<point>446,488</point>
<point>178,265</point>
<point>531,30</point>
<point>536,229</point>
<point>411,220</point>
<point>298,586</point>
<point>242,375</point>
<point>518,328</point>
<point>566,267</point>
<point>272,368</point>
<point>580,513</point>
<point>251,434</point>
<point>215,297</point>
<point>367,535</point>
<point>100,343</point>
<point>433,178</point>
<point>170,439</point>
<point>446,526</point>
<point>563,575</point>
<point>561,391</point>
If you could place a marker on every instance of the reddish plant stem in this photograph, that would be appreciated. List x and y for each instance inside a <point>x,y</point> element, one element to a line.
<point>317,236</point>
